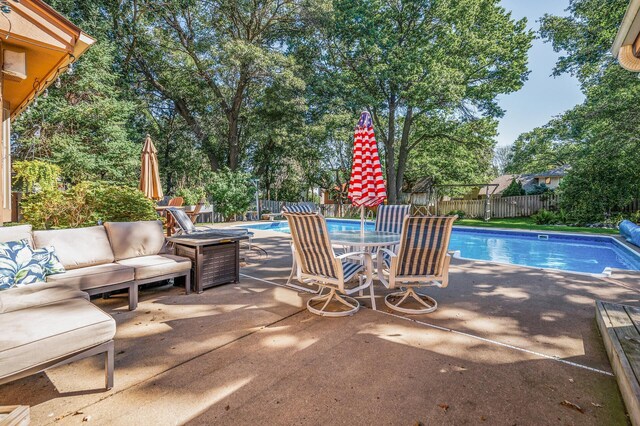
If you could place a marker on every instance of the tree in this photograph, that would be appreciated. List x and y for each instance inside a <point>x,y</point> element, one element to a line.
<point>541,149</point>
<point>232,192</point>
<point>501,159</point>
<point>417,66</point>
<point>206,57</point>
<point>87,127</point>
<point>467,161</point>
<point>514,189</point>
<point>601,131</point>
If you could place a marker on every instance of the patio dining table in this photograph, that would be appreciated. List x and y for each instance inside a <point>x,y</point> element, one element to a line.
<point>367,241</point>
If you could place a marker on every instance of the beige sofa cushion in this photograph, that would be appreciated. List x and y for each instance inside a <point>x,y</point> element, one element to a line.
<point>77,247</point>
<point>156,266</point>
<point>94,276</point>
<point>49,332</point>
<point>16,233</point>
<point>134,239</point>
<point>36,294</point>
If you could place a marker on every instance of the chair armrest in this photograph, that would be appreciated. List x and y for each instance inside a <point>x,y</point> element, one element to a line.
<point>353,254</point>
<point>38,294</point>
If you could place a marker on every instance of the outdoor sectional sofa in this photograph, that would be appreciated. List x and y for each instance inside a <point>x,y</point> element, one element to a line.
<point>48,324</point>
<point>44,326</point>
<point>102,259</point>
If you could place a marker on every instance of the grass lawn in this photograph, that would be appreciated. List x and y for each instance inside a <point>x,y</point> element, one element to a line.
<point>529,224</point>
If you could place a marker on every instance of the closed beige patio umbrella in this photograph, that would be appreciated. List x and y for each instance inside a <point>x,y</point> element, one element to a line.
<point>150,175</point>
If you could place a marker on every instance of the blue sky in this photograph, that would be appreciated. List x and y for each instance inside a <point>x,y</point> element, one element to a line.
<point>542,96</point>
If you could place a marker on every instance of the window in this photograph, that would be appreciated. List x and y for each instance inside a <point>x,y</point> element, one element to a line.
<point>547,180</point>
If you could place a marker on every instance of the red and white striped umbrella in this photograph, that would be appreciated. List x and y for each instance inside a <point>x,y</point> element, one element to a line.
<point>366,187</point>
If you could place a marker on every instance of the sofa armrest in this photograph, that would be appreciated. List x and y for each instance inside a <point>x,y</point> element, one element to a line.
<point>37,294</point>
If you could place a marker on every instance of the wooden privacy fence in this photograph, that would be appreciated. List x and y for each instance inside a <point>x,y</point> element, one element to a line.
<point>501,207</point>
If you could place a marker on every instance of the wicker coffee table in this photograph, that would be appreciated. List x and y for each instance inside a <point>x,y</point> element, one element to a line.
<point>215,257</point>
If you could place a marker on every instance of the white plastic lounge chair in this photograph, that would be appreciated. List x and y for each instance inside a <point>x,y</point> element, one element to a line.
<point>422,261</point>
<point>319,265</point>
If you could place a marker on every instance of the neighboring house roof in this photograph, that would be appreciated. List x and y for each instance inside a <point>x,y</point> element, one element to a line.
<point>422,185</point>
<point>528,181</point>
<point>503,183</point>
<point>557,172</point>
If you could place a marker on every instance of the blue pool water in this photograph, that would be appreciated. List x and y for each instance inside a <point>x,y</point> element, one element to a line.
<point>577,253</point>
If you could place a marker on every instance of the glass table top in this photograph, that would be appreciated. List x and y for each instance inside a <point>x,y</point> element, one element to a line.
<point>368,239</point>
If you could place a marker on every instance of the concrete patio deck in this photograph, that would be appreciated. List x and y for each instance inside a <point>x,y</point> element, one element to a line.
<point>508,345</point>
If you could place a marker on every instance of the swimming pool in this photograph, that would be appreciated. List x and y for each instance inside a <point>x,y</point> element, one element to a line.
<point>566,252</point>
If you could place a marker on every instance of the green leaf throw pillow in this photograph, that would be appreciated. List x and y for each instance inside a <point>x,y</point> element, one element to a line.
<point>18,266</point>
<point>49,260</point>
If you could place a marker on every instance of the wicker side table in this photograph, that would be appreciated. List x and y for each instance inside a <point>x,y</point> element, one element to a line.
<point>215,258</point>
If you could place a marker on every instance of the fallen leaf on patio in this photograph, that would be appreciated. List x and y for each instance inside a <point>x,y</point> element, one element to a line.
<point>226,408</point>
<point>444,407</point>
<point>80,412</point>
<point>86,419</point>
<point>569,404</point>
<point>417,423</point>
<point>483,418</point>
<point>597,405</point>
<point>571,380</point>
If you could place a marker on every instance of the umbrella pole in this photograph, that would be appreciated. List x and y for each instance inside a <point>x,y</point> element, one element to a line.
<point>362,220</point>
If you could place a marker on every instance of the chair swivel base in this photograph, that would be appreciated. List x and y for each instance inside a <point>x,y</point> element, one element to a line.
<point>352,304</point>
<point>428,302</point>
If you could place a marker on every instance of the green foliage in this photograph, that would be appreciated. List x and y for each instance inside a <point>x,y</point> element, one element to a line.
<point>539,189</point>
<point>514,189</point>
<point>546,217</point>
<point>191,196</point>
<point>398,61</point>
<point>113,203</point>
<point>276,87</point>
<point>85,204</point>
<point>599,137</point>
<point>36,175</point>
<point>460,213</point>
<point>584,37</point>
<point>541,149</point>
<point>86,127</point>
<point>232,192</point>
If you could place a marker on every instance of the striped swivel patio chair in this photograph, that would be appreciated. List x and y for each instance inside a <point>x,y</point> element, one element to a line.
<point>318,264</point>
<point>389,217</point>
<point>422,261</point>
<point>298,208</point>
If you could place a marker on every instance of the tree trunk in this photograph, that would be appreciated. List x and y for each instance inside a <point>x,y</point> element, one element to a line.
<point>232,138</point>
<point>233,115</point>
<point>403,156</point>
<point>389,152</point>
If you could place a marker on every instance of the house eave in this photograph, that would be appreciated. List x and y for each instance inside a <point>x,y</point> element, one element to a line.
<point>623,46</point>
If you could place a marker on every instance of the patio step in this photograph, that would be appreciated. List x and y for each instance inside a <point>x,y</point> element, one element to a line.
<point>619,326</point>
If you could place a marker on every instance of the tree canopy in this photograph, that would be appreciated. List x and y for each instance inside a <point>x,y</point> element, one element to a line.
<point>597,138</point>
<point>274,88</point>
